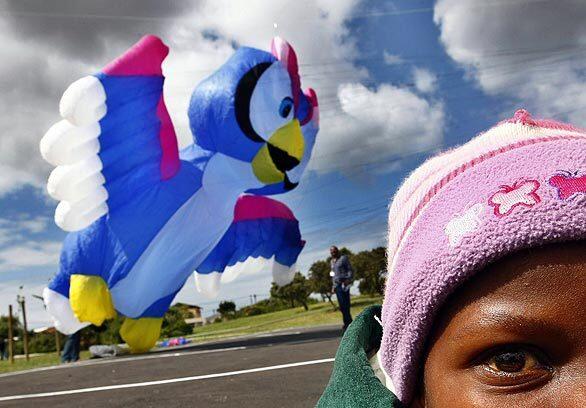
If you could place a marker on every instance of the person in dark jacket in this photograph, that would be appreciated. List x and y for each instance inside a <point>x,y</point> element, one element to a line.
<point>342,272</point>
<point>486,287</point>
<point>70,353</point>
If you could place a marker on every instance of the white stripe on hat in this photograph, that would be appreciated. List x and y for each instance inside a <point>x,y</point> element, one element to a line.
<point>417,185</point>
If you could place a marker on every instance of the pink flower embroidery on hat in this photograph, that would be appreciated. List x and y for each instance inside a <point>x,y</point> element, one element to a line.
<point>463,224</point>
<point>568,184</point>
<point>521,193</point>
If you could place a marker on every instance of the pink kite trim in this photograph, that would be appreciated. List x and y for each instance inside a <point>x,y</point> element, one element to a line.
<point>250,207</point>
<point>143,59</point>
<point>170,152</point>
<point>283,51</point>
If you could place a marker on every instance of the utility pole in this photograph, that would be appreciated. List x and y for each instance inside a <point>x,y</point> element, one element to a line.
<point>20,300</point>
<point>10,336</point>
<point>57,343</point>
<point>254,298</point>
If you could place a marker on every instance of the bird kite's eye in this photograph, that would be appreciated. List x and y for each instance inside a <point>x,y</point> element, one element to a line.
<point>263,100</point>
<point>286,107</point>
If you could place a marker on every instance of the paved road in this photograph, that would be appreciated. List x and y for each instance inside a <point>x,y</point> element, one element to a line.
<point>282,369</point>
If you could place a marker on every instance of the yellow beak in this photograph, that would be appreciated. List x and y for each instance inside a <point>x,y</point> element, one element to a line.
<point>283,151</point>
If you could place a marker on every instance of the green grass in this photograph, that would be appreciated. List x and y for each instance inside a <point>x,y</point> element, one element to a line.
<point>42,360</point>
<point>318,314</point>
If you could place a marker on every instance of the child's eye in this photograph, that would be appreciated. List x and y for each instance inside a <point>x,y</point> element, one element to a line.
<point>514,366</point>
<point>512,361</point>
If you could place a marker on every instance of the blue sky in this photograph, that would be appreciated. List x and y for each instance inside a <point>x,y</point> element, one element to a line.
<point>397,81</point>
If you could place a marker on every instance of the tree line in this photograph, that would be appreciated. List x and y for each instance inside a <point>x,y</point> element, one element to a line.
<point>368,274</point>
<point>174,325</point>
<point>369,267</point>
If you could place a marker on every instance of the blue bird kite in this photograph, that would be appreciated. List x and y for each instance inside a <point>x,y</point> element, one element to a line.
<point>143,216</point>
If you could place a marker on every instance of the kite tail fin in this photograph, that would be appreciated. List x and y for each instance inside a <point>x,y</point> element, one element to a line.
<point>141,334</point>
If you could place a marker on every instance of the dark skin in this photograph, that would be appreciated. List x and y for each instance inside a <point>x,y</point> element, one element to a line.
<point>334,252</point>
<point>514,336</point>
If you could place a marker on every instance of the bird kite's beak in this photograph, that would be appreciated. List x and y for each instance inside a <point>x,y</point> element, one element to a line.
<point>282,152</point>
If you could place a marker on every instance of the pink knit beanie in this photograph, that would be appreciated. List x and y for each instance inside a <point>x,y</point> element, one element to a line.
<point>521,184</point>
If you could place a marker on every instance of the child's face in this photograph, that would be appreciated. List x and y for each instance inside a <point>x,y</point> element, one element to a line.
<point>514,336</point>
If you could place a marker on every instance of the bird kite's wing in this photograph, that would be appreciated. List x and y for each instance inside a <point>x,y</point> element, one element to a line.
<point>116,138</point>
<point>264,236</point>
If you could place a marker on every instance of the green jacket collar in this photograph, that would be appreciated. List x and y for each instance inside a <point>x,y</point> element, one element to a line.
<point>353,383</point>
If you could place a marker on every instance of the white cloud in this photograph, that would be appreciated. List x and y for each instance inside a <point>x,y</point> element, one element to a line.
<point>530,51</point>
<point>34,225</point>
<point>18,228</point>
<point>29,254</point>
<point>31,80</point>
<point>379,125</point>
<point>21,245</point>
<point>425,81</point>
<point>392,59</point>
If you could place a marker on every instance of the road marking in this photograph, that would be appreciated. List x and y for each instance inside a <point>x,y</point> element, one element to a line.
<point>277,334</point>
<point>161,382</point>
<point>113,360</point>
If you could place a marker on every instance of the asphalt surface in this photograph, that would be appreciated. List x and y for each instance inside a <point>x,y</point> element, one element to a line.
<point>281,369</point>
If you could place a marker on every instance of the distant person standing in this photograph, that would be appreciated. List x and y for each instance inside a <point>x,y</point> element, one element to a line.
<point>343,274</point>
<point>3,349</point>
<point>70,353</point>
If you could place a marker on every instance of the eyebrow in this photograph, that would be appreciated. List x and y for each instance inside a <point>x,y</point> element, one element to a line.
<point>516,324</point>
